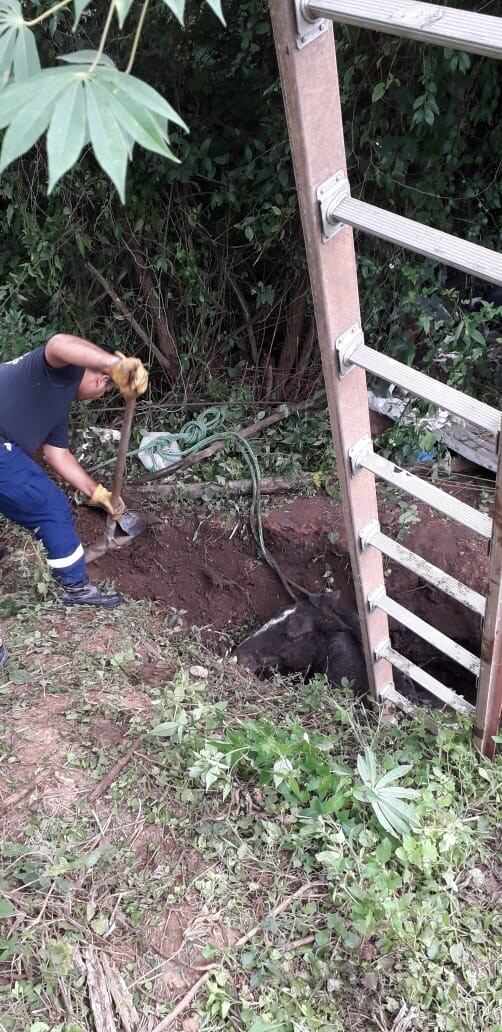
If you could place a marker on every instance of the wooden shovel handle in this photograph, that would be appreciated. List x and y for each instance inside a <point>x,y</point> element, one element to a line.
<point>125,435</point>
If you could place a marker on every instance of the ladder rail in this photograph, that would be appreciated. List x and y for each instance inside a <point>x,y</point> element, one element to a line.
<point>313,112</point>
<point>489,702</point>
<point>317,147</point>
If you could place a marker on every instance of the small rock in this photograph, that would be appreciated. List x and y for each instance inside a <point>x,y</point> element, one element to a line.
<point>199,671</point>
<point>191,1024</point>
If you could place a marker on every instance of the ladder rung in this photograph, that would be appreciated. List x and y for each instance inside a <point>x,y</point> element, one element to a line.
<point>431,684</point>
<point>431,635</point>
<point>372,535</point>
<point>421,489</point>
<point>397,699</point>
<point>422,385</point>
<point>433,243</point>
<point>445,26</point>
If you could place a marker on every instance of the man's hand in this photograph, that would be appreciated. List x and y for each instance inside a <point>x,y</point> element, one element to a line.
<point>102,499</point>
<point>129,375</point>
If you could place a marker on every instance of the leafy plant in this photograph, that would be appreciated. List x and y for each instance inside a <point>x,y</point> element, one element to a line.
<point>385,797</point>
<point>90,101</point>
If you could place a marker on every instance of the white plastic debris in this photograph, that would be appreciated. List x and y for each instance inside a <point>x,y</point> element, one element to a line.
<point>199,671</point>
<point>157,451</point>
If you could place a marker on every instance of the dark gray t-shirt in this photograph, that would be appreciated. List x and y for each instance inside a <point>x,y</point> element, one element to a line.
<point>35,401</point>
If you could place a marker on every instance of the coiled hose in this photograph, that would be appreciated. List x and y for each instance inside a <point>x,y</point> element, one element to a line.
<point>194,435</point>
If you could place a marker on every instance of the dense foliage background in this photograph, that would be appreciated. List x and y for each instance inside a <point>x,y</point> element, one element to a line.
<point>207,257</point>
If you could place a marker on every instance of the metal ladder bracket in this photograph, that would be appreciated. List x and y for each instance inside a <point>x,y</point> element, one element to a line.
<point>367,533</point>
<point>330,194</point>
<point>380,650</point>
<point>307,28</point>
<point>345,346</point>
<point>357,451</point>
<point>375,596</point>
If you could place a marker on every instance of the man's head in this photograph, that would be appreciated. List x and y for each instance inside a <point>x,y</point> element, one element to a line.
<point>93,385</point>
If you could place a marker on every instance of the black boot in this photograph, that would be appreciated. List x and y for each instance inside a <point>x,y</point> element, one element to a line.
<point>3,654</point>
<point>87,594</point>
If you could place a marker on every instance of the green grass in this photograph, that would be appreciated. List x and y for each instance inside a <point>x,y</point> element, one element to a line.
<point>239,794</point>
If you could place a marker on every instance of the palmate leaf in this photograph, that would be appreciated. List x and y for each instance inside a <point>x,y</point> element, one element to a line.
<point>67,132</point>
<point>7,44</point>
<point>178,9</point>
<point>80,6</point>
<point>122,8</point>
<point>108,142</point>
<point>26,59</point>
<point>18,49</point>
<point>107,108</point>
<point>215,6</point>
<point>385,797</point>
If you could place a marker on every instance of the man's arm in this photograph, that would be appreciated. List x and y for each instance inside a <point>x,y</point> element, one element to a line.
<point>66,466</point>
<point>65,349</point>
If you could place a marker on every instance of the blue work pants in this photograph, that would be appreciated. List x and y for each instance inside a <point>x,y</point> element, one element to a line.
<point>31,499</point>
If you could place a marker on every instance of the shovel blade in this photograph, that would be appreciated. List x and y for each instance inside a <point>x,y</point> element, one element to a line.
<point>134,523</point>
<point>131,524</point>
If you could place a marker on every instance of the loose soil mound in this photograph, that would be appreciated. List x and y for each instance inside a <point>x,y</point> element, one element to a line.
<point>209,569</point>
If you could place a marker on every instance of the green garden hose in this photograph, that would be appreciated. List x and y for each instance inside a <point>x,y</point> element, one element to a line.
<point>194,435</point>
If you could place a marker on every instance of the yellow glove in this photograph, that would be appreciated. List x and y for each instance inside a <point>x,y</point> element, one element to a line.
<point>129,375</point>
<point>103,499</point>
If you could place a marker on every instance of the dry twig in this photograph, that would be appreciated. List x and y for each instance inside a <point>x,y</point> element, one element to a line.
<point>105,782</point>
<point>192,993</point>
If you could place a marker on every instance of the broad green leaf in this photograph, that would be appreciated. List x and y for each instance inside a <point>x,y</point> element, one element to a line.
<point>378,92</point>
<point>364,772</point>
<point>10,12</point>
<point>6,908</point>
<point>80,6</point>
<point>66,134</point>
<point>393,775</point>
<point>29,123</point>
<point>371,762</point>
<point>106,138</point>
<point>140,123</point>
<point>26,59</point>
<point>122,8</point>
<point>7,42</point>
<point>86,57</point>
<point>394,807</point>
<point>215,6</point>
<point>16,95</point>
<point>142,93</point>
<point>395,825</point>
<point>177,7</point>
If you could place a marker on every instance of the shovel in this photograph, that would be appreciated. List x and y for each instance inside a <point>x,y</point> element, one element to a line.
<point>131,523</point>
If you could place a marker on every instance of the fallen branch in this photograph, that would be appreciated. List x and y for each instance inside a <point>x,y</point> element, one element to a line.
<point>123,309</point>
<point>120,995</point>
<point>99,995</point>
<point>262,424</point>
<point>16,797</point>
<point>192,993</point>
<point>108,780</point>
<point>269,485</point>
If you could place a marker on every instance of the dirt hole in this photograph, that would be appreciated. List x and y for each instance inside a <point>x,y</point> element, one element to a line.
<point>206,570</point>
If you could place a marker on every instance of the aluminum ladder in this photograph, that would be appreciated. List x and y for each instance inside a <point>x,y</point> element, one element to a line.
<point>307,63</point>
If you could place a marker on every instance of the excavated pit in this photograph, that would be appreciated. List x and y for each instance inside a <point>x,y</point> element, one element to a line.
<point>207,570</point>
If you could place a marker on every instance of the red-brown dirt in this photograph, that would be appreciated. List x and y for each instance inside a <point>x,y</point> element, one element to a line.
<point>208,569</point>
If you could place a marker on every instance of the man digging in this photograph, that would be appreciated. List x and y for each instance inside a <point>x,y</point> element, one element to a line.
<point>36,393</point>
